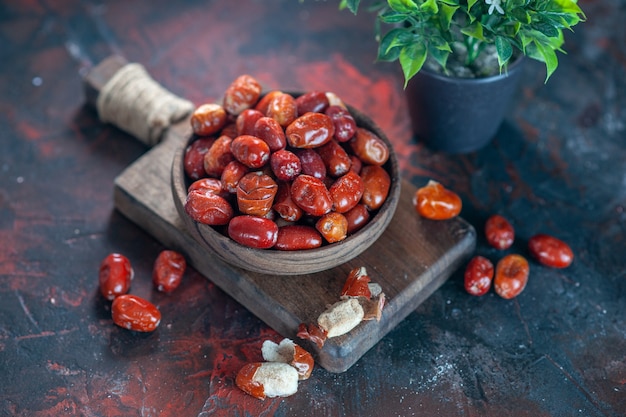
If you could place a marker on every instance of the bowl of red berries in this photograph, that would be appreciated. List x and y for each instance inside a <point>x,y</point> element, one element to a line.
<point>284,183</point>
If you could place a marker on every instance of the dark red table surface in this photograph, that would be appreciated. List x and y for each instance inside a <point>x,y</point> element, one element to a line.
<point>557,165</point>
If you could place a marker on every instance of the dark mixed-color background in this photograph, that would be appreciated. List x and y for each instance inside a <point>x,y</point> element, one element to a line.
<point>557,166</point>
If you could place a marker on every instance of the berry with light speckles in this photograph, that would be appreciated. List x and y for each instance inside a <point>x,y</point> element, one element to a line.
<point>478,276</point>
<point>115,276</point>
<point>168,270</point>
<point>135,313</point>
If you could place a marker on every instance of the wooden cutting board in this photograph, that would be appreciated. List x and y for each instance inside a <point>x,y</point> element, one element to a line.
<point>410,261</point>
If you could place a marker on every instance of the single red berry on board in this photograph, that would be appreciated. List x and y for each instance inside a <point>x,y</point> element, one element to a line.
<point>511,276</point>
<point>435,202</point>
<point>499,232</point>
<point>312,332</point>
<point>115,276</point>
<point>550,251</point>
<point>478,276</point>
<point>356,284</point>
<point>168,270</point>
<point>135,313</point>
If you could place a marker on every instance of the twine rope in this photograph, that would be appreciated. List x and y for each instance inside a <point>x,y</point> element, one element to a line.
<point>137,104</point>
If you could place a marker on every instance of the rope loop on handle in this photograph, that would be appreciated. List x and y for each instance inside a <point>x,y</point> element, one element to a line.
<point>137,104</point>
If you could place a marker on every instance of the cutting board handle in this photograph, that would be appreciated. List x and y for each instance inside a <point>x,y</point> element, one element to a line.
<point>126,96</point>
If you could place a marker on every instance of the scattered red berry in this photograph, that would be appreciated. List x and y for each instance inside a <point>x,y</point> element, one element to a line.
<point>115,276</point>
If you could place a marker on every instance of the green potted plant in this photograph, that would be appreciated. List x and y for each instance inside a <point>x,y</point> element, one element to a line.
<point>462,59</point>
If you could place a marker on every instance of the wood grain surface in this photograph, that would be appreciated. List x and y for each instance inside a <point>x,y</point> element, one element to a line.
<point>410,260</point>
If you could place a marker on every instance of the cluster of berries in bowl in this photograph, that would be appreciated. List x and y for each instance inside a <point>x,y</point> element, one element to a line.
<point>288,172</point>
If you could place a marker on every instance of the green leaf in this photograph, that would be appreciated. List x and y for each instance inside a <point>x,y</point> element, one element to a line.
<point>470,3</point>
<point>546,28</point>
<point>517,3</point>
<point>392,17</point>
<point>447,12</point>
<point>430,6</point>
<point>440,55</point>
<point>504,50</point>
<point>352,5</point>
<point>562,20</point>
<point>475,30</point>
<point>403,6</point>
<point>520,14</point>
<point>389,55</point>
<point>526,40</point>
<point>565,6</point>
<point>554,42</point>
<point>393,41</point>
<point>439,43</point>
<point>548,56</point>
<point>412,58</point>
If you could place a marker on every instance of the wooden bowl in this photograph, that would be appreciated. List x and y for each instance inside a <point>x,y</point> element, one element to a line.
<point>277,262</point>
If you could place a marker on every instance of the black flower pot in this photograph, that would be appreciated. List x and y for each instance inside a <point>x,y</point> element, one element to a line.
<point>459,115</point>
